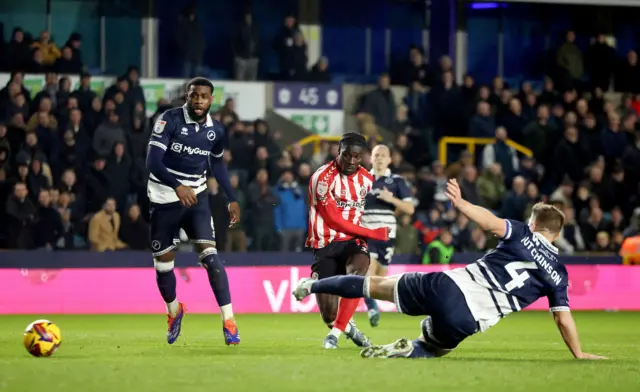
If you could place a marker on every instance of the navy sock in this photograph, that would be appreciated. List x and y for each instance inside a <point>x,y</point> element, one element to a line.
<point>372,304</point>
<point>217,276</point>
<point>421,350</point>
<point>166,279</point>
<point>346,286</point>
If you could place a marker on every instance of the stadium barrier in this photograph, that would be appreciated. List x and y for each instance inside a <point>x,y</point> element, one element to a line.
<point>472,142</point>
<point>61,289</point>
<point>316,140</point>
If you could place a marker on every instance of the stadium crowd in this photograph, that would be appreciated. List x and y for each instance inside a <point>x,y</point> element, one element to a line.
<point>73,175</point>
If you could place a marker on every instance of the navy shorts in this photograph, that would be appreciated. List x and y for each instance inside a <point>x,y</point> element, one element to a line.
<point>333,259</point>
<point>166,220</point>
<point>382,251</point>
<point>436,295</point>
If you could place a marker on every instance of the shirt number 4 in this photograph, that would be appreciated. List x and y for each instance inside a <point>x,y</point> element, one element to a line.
<point>518,278</point>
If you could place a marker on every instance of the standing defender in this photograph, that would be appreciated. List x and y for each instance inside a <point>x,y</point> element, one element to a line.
<point>185,142</point>
<point>388,193</point>
<point>337,194</point>
<point>460,302</point>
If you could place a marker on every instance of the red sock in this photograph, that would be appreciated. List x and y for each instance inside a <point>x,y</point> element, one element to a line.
<point>346,309</point>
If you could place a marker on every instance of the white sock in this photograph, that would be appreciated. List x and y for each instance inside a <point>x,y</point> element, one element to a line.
<point>163,266</point>
<point>335,332</point>
<point>307,284</point>
<point>226,312</point>
<point>348,328</point>
<point>365,287</point>
<point>172,307</point>
<point>166,266</point>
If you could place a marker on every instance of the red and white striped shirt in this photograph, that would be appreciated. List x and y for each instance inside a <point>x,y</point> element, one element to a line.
<point>336,204</point>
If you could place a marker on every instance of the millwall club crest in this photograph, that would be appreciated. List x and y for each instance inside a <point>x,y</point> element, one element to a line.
<point>211,135</point>
<point>322,189</point>
<point>363,192</point>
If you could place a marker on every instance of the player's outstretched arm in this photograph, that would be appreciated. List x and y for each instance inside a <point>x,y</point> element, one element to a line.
<point>326,206</point>
<point>481,216</point>
<point>568,330</point>
<point>330,213</point>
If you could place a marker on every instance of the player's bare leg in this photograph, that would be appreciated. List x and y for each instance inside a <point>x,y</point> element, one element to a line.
<point>328,305</point>
<point>166,280</point>
<point>208,256</point>
<point>380,288</point>
<point>337,312</point>
<point>349,287</point>
<point>358,264</point>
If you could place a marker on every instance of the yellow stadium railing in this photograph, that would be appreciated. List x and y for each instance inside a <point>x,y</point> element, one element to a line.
<point>472,142</point>
<point>317,139</point>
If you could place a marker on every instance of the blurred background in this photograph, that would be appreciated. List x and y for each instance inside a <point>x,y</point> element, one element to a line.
<point>522,102</point>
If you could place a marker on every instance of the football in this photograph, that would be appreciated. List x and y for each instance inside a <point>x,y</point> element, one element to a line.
<point>42,338</point>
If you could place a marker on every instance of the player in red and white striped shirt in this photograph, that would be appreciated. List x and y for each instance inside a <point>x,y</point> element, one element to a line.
<point>337,194</point>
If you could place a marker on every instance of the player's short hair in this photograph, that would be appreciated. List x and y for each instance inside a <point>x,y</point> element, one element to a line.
<point>353,139</point>
<point>200,81</point>
<point>547,218</point>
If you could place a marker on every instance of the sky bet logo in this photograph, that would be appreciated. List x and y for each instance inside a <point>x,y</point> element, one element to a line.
<point>181,148</point>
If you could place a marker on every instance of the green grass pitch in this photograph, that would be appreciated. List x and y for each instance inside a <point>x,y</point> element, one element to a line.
<point>283,353</point>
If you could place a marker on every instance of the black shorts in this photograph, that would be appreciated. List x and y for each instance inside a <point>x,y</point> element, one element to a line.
<point>332,259</point>
<point>382,251</point>
<point>167,219</point>
<point>436,295</point>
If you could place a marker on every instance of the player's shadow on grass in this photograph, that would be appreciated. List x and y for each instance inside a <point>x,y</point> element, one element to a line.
<point>262,351</point>
<point>220,350</point>
<point>520,360</point>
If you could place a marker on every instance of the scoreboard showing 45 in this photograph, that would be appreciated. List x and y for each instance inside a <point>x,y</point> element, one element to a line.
<point>308,96</point>
<point>316,107</point>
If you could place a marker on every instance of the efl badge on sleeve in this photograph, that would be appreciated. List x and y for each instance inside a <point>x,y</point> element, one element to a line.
<point>159,126</point>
